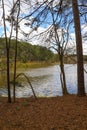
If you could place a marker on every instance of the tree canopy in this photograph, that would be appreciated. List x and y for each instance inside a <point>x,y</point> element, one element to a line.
<point>26,52</point>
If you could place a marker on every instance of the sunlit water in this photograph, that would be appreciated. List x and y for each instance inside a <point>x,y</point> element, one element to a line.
<point>46,82</point>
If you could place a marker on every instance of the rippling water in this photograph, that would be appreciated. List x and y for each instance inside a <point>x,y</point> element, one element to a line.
<point>46,82</point>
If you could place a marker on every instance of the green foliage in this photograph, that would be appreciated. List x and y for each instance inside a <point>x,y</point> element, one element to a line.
<point>26,52</point>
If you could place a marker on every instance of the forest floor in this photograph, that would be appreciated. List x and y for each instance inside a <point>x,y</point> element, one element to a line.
<point>56,113</point>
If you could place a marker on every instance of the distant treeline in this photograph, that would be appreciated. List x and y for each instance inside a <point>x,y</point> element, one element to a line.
<point>27,52</point>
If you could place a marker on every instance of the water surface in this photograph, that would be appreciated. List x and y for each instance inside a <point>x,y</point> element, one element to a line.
<point>46,82</point>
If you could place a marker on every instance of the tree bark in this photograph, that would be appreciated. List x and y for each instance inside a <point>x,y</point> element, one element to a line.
<point>7,50</point>
<point>62,75</point>
<point>80,67</point>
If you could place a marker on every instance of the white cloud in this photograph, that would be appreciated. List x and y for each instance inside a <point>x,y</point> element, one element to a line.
<point>27,29</point>
<point>34,37</point>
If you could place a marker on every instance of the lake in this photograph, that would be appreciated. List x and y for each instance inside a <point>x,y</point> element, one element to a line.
<point>46,82</point>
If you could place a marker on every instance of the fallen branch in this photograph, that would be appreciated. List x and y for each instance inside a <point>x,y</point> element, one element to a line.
<point>28,82</point>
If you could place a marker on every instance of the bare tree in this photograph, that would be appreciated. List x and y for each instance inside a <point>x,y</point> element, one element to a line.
<point>13,18</point>
<point>37,15</point>
<point>56,39</point>
<point>61,51</point>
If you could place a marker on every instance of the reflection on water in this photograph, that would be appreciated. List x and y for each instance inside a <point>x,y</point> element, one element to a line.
<point>46,82</point>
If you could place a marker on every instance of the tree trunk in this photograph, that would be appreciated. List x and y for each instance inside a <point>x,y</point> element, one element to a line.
<point>7,50</point>
<point>80,70</point>
<point>62,75</point>
<point>15,55</point>
<point>8,75</point>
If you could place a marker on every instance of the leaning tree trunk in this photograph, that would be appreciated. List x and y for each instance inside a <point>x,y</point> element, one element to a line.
<point>80,70</point>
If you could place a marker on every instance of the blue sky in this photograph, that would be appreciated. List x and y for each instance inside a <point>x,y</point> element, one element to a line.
<point>1,31</point>
<point>42,28</point>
